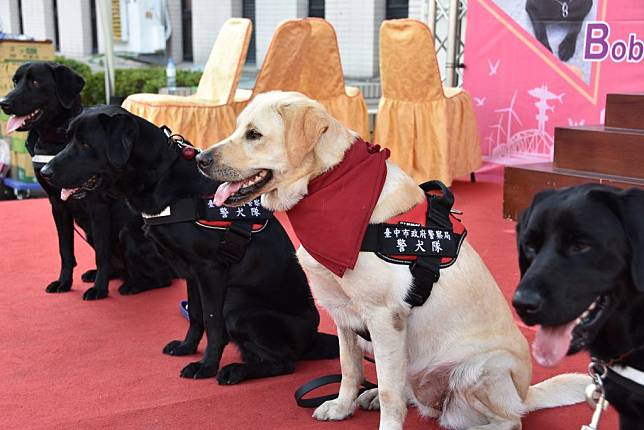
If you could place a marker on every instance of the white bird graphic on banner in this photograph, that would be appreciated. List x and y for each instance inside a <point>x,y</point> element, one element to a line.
<point>480,101</point>
<point>493,67</point>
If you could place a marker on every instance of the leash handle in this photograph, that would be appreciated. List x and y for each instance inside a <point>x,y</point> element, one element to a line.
<point>446,198</point>
<point>322,381</point>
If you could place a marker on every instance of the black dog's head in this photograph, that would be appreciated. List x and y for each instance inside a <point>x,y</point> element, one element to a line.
<point>41,91</point>
<point>101,140</point>
<point>581,256</point>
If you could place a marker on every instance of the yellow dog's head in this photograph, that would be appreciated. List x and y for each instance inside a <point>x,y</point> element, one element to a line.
<point>282,140</point>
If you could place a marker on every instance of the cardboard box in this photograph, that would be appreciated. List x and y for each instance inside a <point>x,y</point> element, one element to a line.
<point>22,51</point>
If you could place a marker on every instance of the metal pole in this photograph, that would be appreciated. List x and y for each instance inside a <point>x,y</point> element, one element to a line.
<point>104,11</point>
<point>452,43</point>
<point>431,16</point>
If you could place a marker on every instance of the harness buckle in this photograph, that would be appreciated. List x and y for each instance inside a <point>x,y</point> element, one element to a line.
<point>426,268</point>
<point>232,247</point>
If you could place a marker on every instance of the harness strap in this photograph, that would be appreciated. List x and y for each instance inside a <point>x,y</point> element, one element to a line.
<point>322,381</point>
<point>625,380</point>
<point>426,270</point>
<point>234,243</point>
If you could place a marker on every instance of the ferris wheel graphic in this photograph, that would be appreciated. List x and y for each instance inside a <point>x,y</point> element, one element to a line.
<point>524,145</point>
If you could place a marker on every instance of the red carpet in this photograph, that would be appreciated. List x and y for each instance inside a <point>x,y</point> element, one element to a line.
<point>69,364</point>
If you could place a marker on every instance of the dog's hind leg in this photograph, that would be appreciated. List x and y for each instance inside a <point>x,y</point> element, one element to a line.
<point>493,399</point>
<point>237,372</point>
<point>538,25</point>
<point>269,342</point>
<point>195,330</point>
<point>145,268</point>
<point>568,45</point>
<point>65,229</point>
<point>352,376</point>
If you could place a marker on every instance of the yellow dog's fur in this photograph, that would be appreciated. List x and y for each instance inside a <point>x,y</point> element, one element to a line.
<point>459,357</point>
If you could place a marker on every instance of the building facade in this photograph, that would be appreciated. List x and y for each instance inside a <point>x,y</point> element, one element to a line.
<point>195,24</point>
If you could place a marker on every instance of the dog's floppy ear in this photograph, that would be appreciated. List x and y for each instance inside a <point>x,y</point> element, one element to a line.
<point>303,128</point>
<point>522,224</point>
<point>121,131</point>
<point>628,205</point>
<point>68,84</point>
<point>631,205</point>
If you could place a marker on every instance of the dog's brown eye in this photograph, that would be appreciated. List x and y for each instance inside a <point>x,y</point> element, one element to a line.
<point>253,135</point>
<point>83,145</point>
<point>580,247</point>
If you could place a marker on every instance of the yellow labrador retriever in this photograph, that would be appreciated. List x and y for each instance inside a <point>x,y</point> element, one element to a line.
<point>459,357</point>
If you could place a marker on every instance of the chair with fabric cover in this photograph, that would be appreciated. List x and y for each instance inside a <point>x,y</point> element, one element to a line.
<point>207,116</point>
<point>431,131</point>
<point>304,56</point>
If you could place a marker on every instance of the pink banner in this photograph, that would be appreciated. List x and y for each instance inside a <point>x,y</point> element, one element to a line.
<point>533,65</point>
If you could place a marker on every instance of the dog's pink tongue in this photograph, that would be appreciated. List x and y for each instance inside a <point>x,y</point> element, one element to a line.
<point>65,193</point>
<point>14,123</point>
<point>551,344</point>
<point>225,190</point>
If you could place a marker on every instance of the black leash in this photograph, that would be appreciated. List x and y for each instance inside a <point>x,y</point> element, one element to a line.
<point>314,384</point>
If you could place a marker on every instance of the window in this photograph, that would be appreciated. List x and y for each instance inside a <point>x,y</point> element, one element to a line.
<point>248,11</point>
<point>316,8</point>
<point>186,28</point>
<point>397,9</point>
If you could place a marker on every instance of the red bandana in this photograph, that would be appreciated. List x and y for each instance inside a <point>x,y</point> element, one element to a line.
<point>332,219</point>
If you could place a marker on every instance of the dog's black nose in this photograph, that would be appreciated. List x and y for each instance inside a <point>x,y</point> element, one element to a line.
<point>527,301</point>
<point>5,104</point>
<point>204,160</point>
<point>46,172</point>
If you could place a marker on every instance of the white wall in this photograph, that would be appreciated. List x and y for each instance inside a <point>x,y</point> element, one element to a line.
<point>176,38</point>
<point>208,16</point>
<point>75,28</point>
<point>9,16</point>
<point>357,24</point>
<point>268,15</point>
<point>38,18</point>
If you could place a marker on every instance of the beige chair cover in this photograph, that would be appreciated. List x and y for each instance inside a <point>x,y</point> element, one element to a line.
<point>304,56</point>
<point>207,116</point>
<point>431,130</point>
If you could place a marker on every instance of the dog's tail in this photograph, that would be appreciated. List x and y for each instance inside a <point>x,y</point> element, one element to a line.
<point>324,346</point>
<point>561,390</point>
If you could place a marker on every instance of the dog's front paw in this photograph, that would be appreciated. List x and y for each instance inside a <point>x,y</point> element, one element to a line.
<point>232,374</point>
<point>198,370</point>
<point>59,287</point>
<point>567,49</point>
<point>89,276</point>
<point>334,410</point>
<point>369,400</point>
<point>178,347</point>
<point>95,294</point>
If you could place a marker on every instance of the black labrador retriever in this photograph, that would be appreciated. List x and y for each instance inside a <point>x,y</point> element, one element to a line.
<point>570,12</point>
<point>262,303</point>
<point>581,256</point>
<point>45,99</point>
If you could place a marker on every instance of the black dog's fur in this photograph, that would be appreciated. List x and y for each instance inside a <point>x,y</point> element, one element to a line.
<point>578,244</point>
<point>110,227</point>
<point>263,304</point>
<point>543,12</point>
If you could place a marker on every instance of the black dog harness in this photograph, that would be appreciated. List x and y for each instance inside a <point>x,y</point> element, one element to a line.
<point>426,238</point>
<point>238,224</point>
